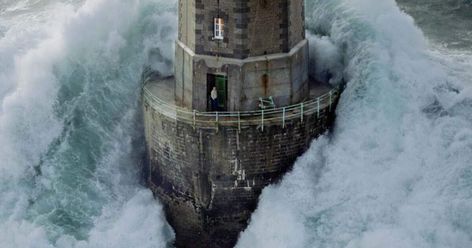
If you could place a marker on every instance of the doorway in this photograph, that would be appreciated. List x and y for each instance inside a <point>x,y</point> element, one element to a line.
<point>221,84</point>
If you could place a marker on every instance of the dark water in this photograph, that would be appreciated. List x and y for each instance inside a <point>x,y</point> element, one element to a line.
<point>446,21</point>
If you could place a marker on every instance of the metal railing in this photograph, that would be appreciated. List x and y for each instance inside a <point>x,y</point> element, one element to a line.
<point>260,118</point>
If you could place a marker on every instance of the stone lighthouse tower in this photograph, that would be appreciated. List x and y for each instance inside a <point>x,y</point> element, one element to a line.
<point>238,111</point>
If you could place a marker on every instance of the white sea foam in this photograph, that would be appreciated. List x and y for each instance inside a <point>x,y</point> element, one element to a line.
<point>394,173</point>
<point>396,170</point>
<point>69,95</point>
<point>325,51</point>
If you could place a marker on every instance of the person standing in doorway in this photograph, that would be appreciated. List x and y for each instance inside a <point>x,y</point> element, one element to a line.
<point>214,99</point>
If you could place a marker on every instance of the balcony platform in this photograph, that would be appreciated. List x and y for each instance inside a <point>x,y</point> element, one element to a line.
<point>163,88</point>
<point>158,93</point>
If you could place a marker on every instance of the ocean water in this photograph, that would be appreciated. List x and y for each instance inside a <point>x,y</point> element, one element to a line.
<point>70,127</point>
<point>396,171</point>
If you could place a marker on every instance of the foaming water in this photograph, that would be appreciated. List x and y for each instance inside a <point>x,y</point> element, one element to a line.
<point>395,171</point>
<point>70,128</point>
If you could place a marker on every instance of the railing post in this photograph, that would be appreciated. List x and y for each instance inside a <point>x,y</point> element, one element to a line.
<point>262,121</point>
<point>301,112</point>
<point>194,118</point>
<point>239,122</point>
<point>330,99</point>
<point>283,117</point>
<point>217,119</point>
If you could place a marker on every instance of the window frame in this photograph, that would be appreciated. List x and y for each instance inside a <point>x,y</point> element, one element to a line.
<point>218,28</point>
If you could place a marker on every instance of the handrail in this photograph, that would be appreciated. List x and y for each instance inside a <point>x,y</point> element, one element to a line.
<point>259,118</point>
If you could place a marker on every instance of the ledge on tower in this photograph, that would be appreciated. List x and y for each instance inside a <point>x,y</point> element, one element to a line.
<point>159,94</point>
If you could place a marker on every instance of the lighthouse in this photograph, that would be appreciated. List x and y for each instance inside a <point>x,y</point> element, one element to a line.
<point>233,118</point>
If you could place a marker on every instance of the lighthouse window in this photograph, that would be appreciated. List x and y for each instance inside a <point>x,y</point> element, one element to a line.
<point>219,28</point>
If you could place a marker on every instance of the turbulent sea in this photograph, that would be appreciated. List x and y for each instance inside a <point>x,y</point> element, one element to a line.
<point>396,170</point>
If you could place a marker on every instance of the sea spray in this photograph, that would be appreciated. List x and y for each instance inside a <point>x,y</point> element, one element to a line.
<point>70,125</point>
<point>395,172</point>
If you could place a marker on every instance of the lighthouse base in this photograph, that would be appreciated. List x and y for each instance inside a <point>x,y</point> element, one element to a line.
<point>209,175</point>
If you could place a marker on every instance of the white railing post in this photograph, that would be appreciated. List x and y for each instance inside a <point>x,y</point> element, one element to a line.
<point>330,99</point>
<point>262,121</point>
<point>239,122</point>
<point>194,118</point>
<point>301,112</point>
<point>217,119</point>
<point>283,117</point>
<point>318,107</point>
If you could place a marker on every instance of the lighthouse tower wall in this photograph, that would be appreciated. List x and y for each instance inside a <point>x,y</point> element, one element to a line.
<point>251,27</point>
<point>209,178</point>
<point>283,76</point>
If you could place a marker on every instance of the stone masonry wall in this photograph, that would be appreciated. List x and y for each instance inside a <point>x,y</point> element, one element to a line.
<point>187,22</point>
<point>286,79</point>
<point>209,179</point>
<point>296,22</point>
<point>280,22</point>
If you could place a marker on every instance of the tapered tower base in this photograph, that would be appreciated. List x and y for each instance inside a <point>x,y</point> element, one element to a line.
<point>208,169</point>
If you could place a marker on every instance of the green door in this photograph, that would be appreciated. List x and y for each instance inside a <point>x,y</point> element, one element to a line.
<point>222,92</point>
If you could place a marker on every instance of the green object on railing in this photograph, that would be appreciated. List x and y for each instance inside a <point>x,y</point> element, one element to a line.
<point>242,118</point>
